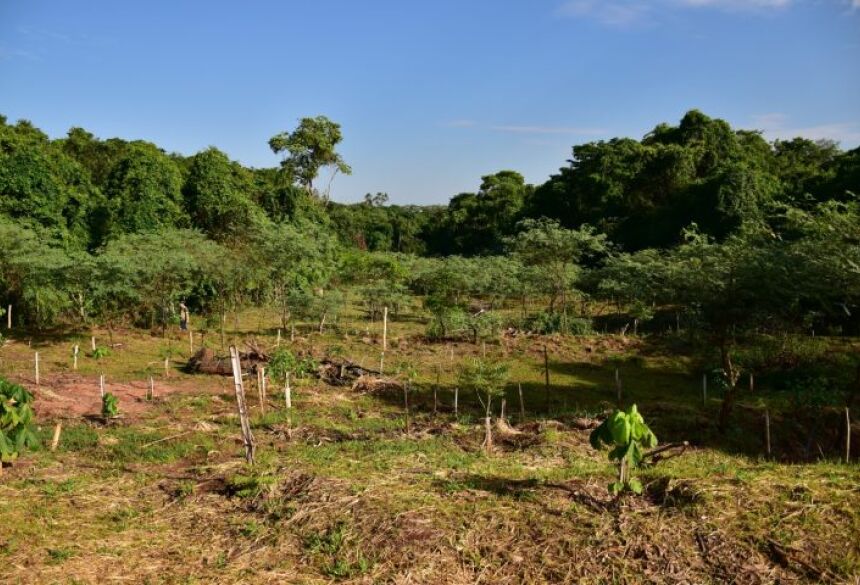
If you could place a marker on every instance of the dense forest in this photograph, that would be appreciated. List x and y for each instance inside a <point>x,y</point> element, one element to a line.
<point>715,226</point>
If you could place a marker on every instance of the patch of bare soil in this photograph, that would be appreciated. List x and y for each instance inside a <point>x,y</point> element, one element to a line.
<point>72,395</point>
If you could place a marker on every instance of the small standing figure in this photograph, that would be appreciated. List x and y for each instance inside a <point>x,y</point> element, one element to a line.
<point>183,316</point>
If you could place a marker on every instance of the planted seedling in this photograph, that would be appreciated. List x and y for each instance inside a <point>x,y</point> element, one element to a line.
<point>628,435</point>
<point>17,431</point>
<point>110,405</point>
<point>100,352</point>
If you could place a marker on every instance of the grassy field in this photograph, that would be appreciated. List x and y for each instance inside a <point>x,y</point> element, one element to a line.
<point>341,492</point>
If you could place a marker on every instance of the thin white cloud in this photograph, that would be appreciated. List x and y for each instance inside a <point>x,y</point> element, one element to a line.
<point>776,126</point>
<point>463,123</point>
<point>8,54</point>
<point>548,130</point>
<point>625,13</point>
<point>609,12</point>
<point>737,4</point>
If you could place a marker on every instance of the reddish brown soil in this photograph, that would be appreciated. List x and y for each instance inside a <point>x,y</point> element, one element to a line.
<point>72,395</point>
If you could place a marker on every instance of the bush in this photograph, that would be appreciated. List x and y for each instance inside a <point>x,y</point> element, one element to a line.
<point>546,322</point>
<point>17,431</point>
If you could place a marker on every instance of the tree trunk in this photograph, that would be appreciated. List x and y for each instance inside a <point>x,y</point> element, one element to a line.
<point>731,382</point>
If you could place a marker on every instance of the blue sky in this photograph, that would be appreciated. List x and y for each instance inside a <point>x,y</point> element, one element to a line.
<point>431,95</point>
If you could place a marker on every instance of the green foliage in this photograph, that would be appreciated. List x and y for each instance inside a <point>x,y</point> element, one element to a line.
<point>144,191</point>
<point>484,376</point>
<point>100,352</point>
<point>545,323</point>
<point>309,148</point>
<point>628,436</point>
<point>283,362</point>
<point>17,428</point>
<point>110,405</point>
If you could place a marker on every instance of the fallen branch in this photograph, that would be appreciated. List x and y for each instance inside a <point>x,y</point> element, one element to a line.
<point>166,439</point>
<point>656,455</point>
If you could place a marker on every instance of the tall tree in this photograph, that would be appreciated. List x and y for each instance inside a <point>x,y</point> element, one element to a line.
<point>309,148</point>
<point>144,191</point>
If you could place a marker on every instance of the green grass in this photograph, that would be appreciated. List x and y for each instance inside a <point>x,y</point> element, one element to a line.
<point>352,498</point>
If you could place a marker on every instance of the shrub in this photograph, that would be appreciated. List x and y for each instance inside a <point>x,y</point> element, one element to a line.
<point>546,322</point>
<point>17,431</point>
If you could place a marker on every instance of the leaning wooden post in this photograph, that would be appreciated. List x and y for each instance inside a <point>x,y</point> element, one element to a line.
<point>546,376</point>
<point>56,440</point>
<point>767,432</point>
<point>75,352</point>
<point>847,436</point>
<point>384,328</point>
<point>522,404</point>
<point>704,390</point>
<point>37,368</point>
<point>247,437</point>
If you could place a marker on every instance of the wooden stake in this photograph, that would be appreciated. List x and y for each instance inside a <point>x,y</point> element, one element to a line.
<point>546,376</point>
<point>58,428</point>
<point>522,404</point>
<point>102,385</point>
<point>483,349</point>
<point>37,368</point>
<point>150,394</point>
<point>93,342</point>
<point>75,357</point>
<point>436,392</point>
<point>847,436</point>
<point>406,405</point>
<point>292,333</point>
<point>384,329</point>
<point>502,414</point>
<point>247,437</point>
<point>261,388</point>
<point>190,340</point>
<point>278,342</point>
<point>456,400</point>
<point>704,390</point>
<point>381,362</point>
<point>166,367</point>
<point>767,432</point>
<point>9,317</point>
<point>288,398</point>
